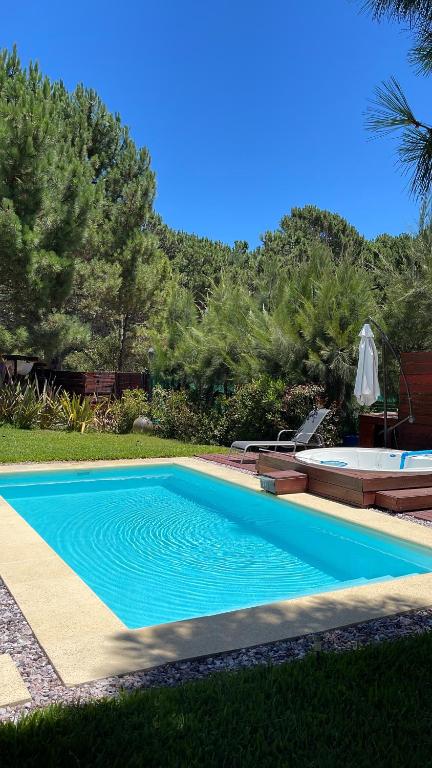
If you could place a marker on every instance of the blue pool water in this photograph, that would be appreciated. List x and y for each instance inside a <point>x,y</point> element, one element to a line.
<point>163,543</point>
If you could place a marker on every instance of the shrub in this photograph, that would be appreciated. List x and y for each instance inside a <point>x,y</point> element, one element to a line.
<point>124,411</point>
<point>254,410</point>
<point>10,395</point>
<point>175,416</point>
<point>76,412</point>
<point>28,408</point>
<point>298,401</point>
<point>51,412</point>
<point>258,409</point>
<point>24,406</point>
<point>105,417</point>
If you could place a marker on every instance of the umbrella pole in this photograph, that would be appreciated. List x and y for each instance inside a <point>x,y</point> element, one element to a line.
<point>384,390</point>
<point>386,341</point>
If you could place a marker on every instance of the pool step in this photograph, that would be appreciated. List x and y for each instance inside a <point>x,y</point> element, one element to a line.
<point>406,500</point>
<point>284,481</point>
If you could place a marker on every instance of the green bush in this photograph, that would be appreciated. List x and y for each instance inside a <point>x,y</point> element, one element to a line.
<point>26,406</point>
<point>51,416</point>
<point>77,413</point>
<point>258,409</point>
<point>10,395</point>
<point>123,412</point>
<point>175,416</point>
<point>254,410</point>
<point>298,401</point>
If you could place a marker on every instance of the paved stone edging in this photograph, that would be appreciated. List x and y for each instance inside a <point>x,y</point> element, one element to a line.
<point>17,639</point>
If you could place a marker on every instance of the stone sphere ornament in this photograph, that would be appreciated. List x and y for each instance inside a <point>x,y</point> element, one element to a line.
<point>143,424</point>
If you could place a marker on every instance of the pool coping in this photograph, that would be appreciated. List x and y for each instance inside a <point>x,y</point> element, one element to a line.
<point>85,641</point>
<point>13,690</point>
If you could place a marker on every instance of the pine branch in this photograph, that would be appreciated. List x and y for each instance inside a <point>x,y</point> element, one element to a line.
<point>416,12</point>
<point>416,152</point>
<point>390,109</point>
<point>418,15</point>
<point>421,55</point>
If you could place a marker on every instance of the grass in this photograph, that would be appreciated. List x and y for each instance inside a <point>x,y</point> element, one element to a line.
<point>46,445</point>
<point>370,707</point>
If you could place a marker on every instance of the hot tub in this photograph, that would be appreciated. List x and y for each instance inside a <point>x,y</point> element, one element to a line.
<point>368,459</point>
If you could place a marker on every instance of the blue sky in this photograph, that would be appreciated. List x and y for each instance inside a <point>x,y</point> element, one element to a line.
<point>248,107</point>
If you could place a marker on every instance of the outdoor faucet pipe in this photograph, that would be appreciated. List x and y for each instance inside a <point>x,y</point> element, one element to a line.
<point>386,341</point>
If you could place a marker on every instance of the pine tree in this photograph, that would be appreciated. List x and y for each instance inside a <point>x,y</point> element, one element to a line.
<point>45,194</point>
<point>391,110</point>
<point>74,190</point>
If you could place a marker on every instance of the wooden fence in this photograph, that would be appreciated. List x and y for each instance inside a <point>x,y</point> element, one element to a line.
<point>97,382</point>
<point>418,371</point>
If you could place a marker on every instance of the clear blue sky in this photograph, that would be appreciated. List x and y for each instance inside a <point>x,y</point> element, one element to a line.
<point>248,107</point>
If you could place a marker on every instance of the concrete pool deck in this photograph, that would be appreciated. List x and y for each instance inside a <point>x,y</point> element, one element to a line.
<point>12,687</point>
<point>85,641</point>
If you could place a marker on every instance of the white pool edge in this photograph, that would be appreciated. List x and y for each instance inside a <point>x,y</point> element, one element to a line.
<point>342,458</point>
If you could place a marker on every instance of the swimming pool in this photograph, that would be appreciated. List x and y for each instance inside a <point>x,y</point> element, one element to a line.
<point>163,543</point>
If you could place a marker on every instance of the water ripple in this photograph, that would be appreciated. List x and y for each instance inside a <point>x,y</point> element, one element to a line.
<point>154,555</point>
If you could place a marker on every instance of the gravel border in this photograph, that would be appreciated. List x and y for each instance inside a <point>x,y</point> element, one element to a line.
<point>45,686</point>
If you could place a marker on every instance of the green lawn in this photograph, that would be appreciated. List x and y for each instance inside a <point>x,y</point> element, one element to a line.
<point>46,445</point>
<point>359,709</point>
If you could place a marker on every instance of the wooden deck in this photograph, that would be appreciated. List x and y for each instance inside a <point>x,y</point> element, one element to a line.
<point>405,499</point>
<point>249,463</point>
<point>361,489</point>
<point>409,493</point>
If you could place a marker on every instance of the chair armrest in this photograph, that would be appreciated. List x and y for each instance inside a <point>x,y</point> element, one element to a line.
<point>285,430</point>
<point>318,437</point>
<point>320,441</point>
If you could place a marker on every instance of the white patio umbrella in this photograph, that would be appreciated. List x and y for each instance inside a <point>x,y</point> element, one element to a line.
<point>367,389</point>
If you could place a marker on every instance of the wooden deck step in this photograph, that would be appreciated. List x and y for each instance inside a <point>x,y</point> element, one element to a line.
<point>421,514</point>
<point>284,481</point>
<point>405,500</point>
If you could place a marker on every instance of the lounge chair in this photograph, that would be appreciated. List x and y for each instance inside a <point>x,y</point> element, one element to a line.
<point>302,436</point>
